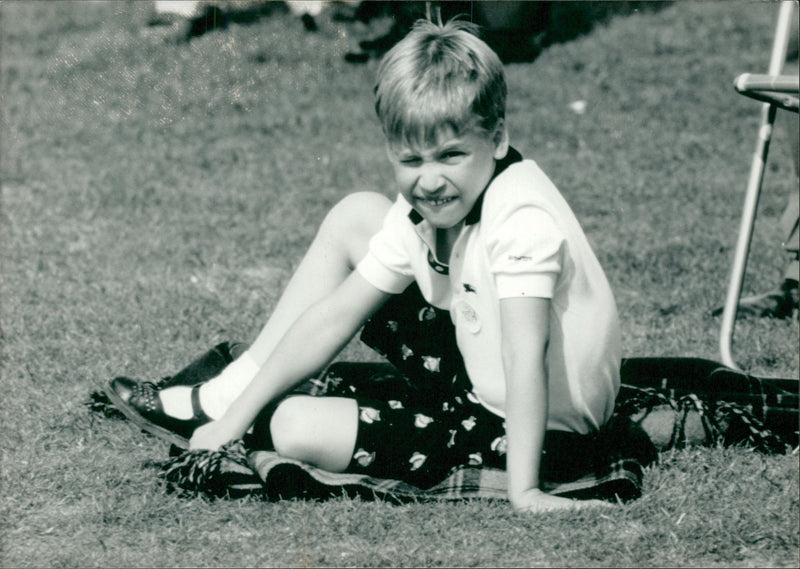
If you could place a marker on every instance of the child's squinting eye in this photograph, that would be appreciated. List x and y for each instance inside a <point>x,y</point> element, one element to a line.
<point>451,155</point>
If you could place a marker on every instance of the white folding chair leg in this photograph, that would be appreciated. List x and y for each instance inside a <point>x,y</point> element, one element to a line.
<point>779,49</point>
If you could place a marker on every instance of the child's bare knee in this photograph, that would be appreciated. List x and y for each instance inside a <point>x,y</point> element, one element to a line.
<point>317,430</point>
<point>289,427</point>
<point>358,211</point>
<point>353,221</point>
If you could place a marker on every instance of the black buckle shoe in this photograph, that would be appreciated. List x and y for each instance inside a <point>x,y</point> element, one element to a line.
<point>140,403</point>
<point>205,367</point>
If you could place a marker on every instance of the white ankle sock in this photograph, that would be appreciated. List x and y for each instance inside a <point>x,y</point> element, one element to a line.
<point>218,393</point>
<point>177,401</point>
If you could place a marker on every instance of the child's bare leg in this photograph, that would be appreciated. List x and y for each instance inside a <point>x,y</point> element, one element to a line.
<point>318,430</point>
<point>341,242</point>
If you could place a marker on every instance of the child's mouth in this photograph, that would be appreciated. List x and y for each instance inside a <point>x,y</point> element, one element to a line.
<point>436,202</point>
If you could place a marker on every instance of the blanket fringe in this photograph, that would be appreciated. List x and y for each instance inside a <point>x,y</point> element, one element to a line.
<point>225,473</point>
<point>691,421</point>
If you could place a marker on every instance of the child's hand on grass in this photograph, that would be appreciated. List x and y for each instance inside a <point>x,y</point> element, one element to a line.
<point>535,501</point>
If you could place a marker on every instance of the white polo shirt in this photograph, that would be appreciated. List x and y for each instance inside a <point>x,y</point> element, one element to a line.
<point>521,239</point>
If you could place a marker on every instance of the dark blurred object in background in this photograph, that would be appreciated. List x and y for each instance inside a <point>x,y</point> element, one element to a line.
<point>516,30</point>
<point>198,17</point>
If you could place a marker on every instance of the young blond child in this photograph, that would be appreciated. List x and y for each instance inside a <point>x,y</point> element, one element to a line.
<point>477,235</point>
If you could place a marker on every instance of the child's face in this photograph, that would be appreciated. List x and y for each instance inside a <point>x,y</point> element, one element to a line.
<point>443,181</point>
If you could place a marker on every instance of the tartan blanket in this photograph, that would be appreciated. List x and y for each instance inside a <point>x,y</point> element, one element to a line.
<point>235,472</point>
<point>735,408</point>
<point>678,401</point>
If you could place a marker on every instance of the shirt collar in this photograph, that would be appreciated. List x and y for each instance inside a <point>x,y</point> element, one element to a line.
<point>474,216</point>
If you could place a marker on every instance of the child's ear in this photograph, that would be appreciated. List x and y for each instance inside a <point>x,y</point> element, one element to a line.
<point>500,140</point>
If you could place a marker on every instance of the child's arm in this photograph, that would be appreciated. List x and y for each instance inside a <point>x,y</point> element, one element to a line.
<point>525,331</point>
<point>312,341</point>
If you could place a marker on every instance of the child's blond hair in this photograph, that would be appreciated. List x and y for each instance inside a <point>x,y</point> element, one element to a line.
<point>439,76</point>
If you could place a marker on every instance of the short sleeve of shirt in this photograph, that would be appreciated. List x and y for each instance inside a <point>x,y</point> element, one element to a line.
<point>525,252</point>
<point>387,264</point>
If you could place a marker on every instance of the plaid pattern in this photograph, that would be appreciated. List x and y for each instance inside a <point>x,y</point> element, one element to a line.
<point>238,469</point>
<point>235,472</point>
<point>679,390</point>
<point>650,385</point>
<point>736,408</point>
<point>226,473</point>
<point>693,401</point>
<point>285,479</point>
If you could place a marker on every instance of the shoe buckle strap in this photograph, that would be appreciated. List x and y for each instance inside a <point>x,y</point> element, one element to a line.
<point>197,410</point>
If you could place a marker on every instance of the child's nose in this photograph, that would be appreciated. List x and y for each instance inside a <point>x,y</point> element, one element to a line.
<point>430,180</point>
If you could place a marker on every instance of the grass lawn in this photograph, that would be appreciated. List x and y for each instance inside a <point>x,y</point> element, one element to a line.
<point>156,195</point>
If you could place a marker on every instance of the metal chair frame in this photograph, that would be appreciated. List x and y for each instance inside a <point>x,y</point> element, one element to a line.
<point>776,91</point>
